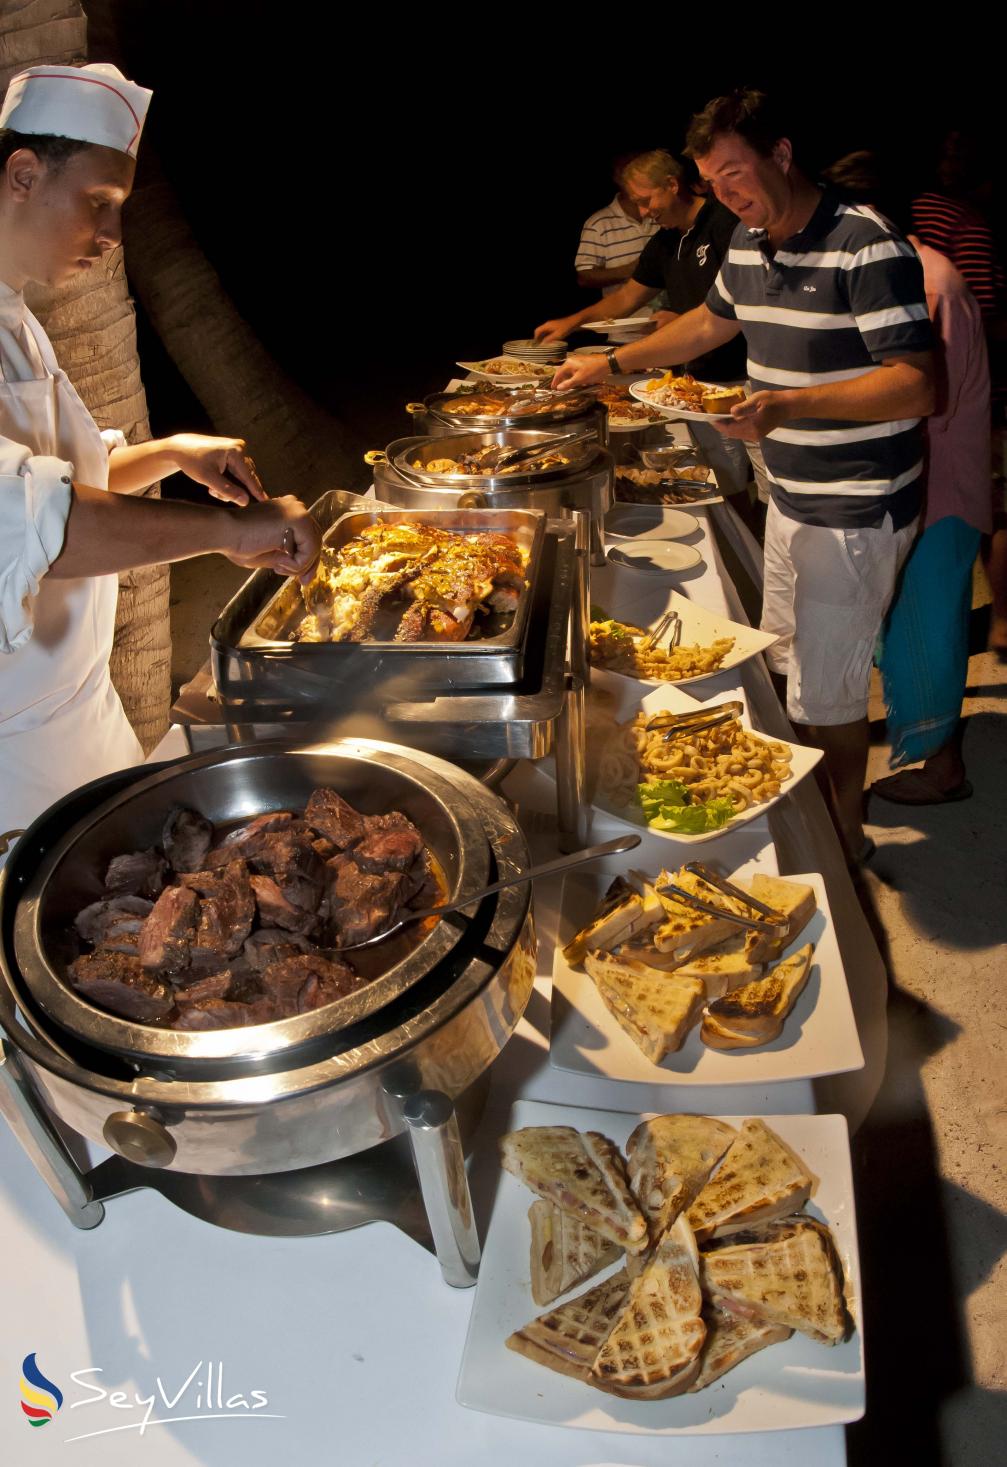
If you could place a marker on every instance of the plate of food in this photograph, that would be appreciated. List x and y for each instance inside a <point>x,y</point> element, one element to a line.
<point>510,369</point>
<point>677,1275</point>
<point>707,644</point>
<point>646,988</point>
<point>691,484</point>
<point>686,397</point>
<point>624,414</point>
<point>669,766</point>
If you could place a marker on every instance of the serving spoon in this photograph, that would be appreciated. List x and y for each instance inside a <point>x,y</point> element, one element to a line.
<point>548,868</point>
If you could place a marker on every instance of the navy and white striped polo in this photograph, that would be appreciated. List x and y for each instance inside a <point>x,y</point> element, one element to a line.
<point>830,304</point>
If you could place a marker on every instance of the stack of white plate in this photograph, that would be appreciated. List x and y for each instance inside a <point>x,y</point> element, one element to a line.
<point>535,351</point>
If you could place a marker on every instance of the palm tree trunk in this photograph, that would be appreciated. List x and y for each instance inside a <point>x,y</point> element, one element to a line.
<point>92,327</point>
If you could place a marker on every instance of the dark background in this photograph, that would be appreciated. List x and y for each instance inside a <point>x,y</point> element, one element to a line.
<point>384,192</point>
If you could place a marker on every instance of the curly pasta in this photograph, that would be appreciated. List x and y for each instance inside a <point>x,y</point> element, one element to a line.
<point>726,762</point>
<point>616,646</point>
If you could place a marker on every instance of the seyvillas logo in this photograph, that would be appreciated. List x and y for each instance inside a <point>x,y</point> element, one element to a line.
<point>40,1397</point>
<point>204,1393</point>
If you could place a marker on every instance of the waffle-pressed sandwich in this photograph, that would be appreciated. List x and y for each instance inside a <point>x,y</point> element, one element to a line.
<point>653,1348</point>
<point>785,1273</point>
<point>656,1009</point>
<point>568,1338</point>
<point>754,1014</point>
<point>565,1252</point>
<point>759,1179</point>
<point>670,1159</point>
<point>624,915</point>
<point>731,1338</point>
<point>583,1174</point>
<point>726,967</point>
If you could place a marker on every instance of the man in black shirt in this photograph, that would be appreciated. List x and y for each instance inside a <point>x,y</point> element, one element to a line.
<point>682,259</point>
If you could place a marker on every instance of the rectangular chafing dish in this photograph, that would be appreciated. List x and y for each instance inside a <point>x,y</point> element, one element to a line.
<point>253,656</point>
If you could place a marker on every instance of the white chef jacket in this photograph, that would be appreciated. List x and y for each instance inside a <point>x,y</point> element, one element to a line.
<point>61,721</point>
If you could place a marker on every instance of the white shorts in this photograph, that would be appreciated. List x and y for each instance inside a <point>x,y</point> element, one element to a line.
<point>825,595</point>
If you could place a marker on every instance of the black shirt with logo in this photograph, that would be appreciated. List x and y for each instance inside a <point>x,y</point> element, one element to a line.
<point>685,265</point>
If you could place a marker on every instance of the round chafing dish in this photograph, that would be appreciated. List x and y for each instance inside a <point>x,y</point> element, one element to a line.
<point>523,407</point>
<point>281,1096</point>
<point>584,483</point>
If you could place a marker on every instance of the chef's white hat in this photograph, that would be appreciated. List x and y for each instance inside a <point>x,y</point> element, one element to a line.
<point>93,104</point>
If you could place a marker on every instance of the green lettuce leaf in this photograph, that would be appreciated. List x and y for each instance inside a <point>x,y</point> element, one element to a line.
<point>666,806</point>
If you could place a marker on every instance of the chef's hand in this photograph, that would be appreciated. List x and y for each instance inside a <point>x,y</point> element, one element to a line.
<point>280,535</point>
<point>224,465</point>
<point>553,330</point>
<point>757,416</point>
<point>578,371</point>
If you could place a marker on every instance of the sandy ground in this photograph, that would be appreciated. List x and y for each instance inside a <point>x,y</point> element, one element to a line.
<point>930,1159</point>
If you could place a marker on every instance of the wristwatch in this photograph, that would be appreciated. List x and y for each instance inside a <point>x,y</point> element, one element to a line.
<point>612,358</point>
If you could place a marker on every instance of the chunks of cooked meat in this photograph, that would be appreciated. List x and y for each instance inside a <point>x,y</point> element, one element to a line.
<point>226,912</point>
<point>167,935</point>
<point>143,873</point>
<point>187,836</point>
<point>117,982</point>
<point>232,939</point>
<point>331,815</point>
<point>447,576</point>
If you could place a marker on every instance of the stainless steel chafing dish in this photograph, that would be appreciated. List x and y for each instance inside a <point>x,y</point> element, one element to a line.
<point>298,1092</point>
<point>442,413</point>
<point>584,483</point>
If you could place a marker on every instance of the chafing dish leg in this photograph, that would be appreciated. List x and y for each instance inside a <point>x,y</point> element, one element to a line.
<point>569,753</point>
<point>440,1165</point>
<point>27,1118</point>
<point>580,605</point>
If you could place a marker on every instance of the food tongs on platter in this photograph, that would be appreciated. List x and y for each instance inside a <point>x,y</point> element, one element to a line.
<point>670,621</point>
<point>505,457</point>
<point>699,720</point>
<point>769,921</point>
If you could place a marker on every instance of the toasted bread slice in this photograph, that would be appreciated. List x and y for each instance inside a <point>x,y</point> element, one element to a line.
<point>725,967</point>
<point>582,1174</point>
<point>653,1348</point>
<point>670,1161</point>
<point>564,1252</point>
<point>686,931</point>
<point>568,1339</point>
<point>631,915</point>
<point>757,1011</point>
<point>759,1178</point>
<point>731,1338</point>
<point>794,900</point>
<point>722,399</point>
<point>656,1009</point>
<point>717,1035</point>
<point>785,1273</point>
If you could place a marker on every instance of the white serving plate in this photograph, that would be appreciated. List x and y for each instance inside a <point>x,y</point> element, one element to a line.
<point>668,697</point>
<point>655,557</point>
<point>634,427</point>
<point>617,324</point>
<point>819,1035</point>
<point>649,522</point>
<point>699,627</point>
<point>478,369</point>
<point>638,390</point>
<point>798,1383</point>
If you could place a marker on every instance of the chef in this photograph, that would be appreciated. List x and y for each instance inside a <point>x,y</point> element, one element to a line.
<point>68,141</point>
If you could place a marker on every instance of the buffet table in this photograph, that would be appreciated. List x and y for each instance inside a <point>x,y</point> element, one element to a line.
<point>352,1341</point>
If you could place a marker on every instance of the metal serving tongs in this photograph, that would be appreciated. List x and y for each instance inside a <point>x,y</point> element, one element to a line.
<point>773,922</point>
<point>507,457</point>
<point>675,725</point>
<point>652,639</point>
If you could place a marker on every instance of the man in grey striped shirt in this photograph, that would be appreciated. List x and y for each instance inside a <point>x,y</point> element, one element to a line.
<point>830,299</point>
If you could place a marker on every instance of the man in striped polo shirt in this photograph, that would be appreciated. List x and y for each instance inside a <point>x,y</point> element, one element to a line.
<point>831,302</point>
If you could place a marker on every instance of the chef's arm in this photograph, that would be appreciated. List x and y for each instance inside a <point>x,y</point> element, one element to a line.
<point>106,533</point>
<point>223,465</point>
<point>691,335</point>
<point>622,302</point>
